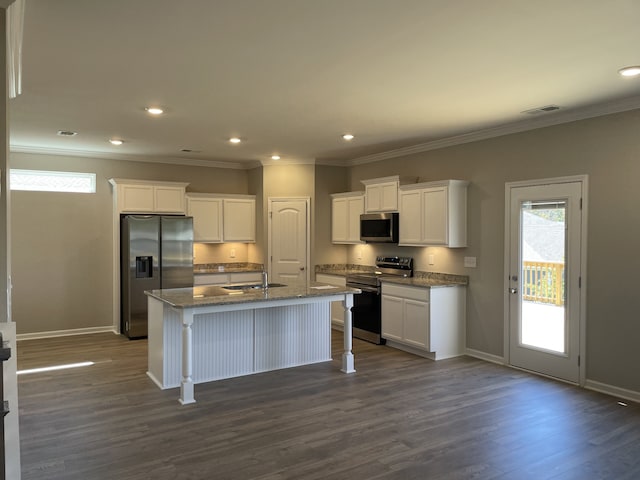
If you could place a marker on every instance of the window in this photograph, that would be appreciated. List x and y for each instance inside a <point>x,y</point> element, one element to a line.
<point>46,181</point>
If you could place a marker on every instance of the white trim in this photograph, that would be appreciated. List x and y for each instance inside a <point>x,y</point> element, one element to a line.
<point>487,357</point>
<point>506,129</point>
<point>307,201</point>
<point>584,180</point>
<point>66,333</point>
<point>612,390</point>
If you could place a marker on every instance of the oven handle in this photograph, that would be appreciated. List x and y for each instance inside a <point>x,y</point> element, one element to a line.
<point>364,288</point>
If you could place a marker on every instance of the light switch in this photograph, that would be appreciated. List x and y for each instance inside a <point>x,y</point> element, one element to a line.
<point>431,259</point>
<point>359,254</point>
<point>232,253</point>
<point>470,262</point>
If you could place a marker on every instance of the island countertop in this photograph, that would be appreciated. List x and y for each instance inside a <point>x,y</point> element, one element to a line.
<point>210,295</point>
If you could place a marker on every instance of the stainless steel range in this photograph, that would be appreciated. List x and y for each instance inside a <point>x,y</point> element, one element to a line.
<point>367,323</point>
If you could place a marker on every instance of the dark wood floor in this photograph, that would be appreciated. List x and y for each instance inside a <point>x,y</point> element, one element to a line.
<point>398,417</point>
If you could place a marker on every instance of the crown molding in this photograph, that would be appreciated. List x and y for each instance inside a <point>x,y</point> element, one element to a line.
<point>192,162</point>
<point>617,106</point>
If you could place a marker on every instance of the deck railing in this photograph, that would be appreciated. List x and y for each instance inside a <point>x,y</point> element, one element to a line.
<point>543,282</point>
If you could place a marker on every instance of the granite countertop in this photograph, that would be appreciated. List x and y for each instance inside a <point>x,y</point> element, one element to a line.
<point>428,282</point>
<point>419,279</point>
<point>211,295</point>
<point>238,267</point>
<point>343,269</point>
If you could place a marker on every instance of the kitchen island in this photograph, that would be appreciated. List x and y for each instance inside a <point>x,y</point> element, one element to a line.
<point>208,333</point>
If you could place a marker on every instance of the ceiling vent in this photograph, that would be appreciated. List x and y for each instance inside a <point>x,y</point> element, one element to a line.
<point>67,133</point>
<point>539,110</point>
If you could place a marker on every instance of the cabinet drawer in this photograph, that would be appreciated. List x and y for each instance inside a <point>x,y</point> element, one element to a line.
<point>245,277</point>
<point>413,293</point>
<point>211,279</point>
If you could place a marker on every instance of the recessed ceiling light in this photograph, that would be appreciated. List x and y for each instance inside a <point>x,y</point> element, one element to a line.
<point>234,140</point>
<point>154,110</point>
<point>275,157</point>
<point>348,136</point>
<point>115,141</point>
<point>632,71</point>
<point>67,133</point>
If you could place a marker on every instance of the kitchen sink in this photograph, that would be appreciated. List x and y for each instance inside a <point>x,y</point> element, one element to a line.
<point>253,286</point>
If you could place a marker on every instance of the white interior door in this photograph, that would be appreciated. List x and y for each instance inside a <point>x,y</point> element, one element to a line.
<point>544,231</point>
<point>289,240</point>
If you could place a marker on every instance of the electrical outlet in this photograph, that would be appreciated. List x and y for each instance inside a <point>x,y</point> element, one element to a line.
<point>359,254</point>
<point>232,253</point>
<point>470,262</point>
<point>431,259</point>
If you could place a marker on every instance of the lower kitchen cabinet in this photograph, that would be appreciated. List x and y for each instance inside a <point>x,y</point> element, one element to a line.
<point>337,309</point>
<point>224,278</point>
<point>426,321</point>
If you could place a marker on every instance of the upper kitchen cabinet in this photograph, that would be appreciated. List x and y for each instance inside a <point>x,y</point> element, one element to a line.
<point>434,214</point>
<point>207,217</point>
<point>346,209</point>
<point>221,218</point>
<point>239,218</point>
<point>144,196</point>
<point>381,194</point>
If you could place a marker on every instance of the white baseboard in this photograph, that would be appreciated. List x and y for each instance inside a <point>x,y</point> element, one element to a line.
<point>488,357</point>
<point>612,390</point>
<point>65,333</point>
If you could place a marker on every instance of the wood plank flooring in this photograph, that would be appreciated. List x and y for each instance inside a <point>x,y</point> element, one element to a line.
<point>399,417</point>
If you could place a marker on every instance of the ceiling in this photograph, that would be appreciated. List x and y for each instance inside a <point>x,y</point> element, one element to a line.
<point>291,76</point>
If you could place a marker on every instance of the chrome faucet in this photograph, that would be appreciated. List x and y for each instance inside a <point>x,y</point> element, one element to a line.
<point>265,279</point>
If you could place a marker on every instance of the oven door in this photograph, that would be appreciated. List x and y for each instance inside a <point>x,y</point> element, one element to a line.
<point>365,314</point>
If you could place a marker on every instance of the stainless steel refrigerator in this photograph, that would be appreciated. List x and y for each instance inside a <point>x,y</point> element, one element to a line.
<point>156,252</point>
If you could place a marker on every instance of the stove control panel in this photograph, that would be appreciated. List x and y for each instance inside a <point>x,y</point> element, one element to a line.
<point>402,263</point>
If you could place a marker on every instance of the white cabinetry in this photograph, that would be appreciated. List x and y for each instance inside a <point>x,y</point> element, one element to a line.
<point>222,218</point>
<point>346,209</point>
<point>434,213</point>
<point>207,218</point>
<point>426,321</point>
<point>239,219</point>
<point>141,196</point>
<point>381,194</point>
<point>337,309</point>
<point>224,278</point>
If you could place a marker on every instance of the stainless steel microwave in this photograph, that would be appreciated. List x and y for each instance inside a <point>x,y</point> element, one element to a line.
<point>379,227</point>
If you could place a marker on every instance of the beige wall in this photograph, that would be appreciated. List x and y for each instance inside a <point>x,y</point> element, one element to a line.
<point>607,149</point>
<point>256,251</point>
<point>328,180</point>
<point>220,252</point>
<point>284,181</point>
<point>62,274</point>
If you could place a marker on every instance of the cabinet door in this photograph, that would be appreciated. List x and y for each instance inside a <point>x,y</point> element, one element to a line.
<point>382,197</point>
<point>435,216</point>
<point>355,209</point>
<point>392,318</point>
<point>136,198</point>
<point>207,219</point>
<point>416,324</point>
<point>239,220</point>
<point>339,220</point>
<point>168,199</point>
<point>411,217</point>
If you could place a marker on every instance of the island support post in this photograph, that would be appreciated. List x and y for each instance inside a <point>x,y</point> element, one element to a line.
<point>347,356</point>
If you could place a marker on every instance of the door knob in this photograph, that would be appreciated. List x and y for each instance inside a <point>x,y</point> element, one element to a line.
<point>301,269</point>
<point>513,290</point>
